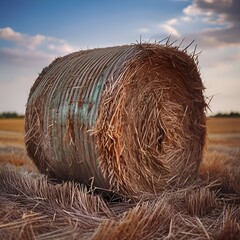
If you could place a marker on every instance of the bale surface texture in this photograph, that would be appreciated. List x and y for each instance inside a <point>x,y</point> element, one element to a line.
<point>129,118</point>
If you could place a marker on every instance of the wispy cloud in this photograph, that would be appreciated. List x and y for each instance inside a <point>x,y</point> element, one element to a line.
<point>164,29</point>
<point>17,57</point>
<point>9,34</point>
<point>169,27</point>
<point>217,24</point>
<point>35,42</point>
<point>30,50</point>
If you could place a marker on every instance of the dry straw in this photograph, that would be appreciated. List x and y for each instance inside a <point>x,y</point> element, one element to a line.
<point>33,208</point>
<point>129,118</point>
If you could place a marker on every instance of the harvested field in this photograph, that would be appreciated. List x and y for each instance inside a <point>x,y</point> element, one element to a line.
<point>12,125</point>
<point>12,146</point>
<point>223,125</point>
<point>224,132</point>
<point>34,208</point>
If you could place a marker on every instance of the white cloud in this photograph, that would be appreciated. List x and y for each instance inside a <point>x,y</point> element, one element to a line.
<point>169,28</point>
<point>36,41</point>
<point>62,48</point>
<point>9,34</point>
<point>172,21</point>
<point>33,42</point>
<point>30,42</point>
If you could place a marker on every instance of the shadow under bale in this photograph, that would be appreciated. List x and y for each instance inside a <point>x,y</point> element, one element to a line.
<point>130,119</point>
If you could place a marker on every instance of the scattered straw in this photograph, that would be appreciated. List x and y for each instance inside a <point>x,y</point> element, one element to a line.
<point>33,208</point>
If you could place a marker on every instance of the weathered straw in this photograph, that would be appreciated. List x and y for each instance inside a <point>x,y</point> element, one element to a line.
<point>130,119</point>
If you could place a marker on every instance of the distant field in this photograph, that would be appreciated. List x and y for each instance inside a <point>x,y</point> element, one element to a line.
<point>13,125</point>
<point>224,132</point>
<point>12,147</point>
<point>11,132</point>
<point>223,125</point>
<point>214,125</point>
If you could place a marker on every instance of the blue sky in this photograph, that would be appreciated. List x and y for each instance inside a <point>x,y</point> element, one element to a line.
<point>34,32</point>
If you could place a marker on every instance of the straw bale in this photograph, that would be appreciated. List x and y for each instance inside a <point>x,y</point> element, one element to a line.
<point>130,119</point>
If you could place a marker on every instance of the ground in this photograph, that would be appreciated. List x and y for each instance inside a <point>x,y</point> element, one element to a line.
<point>33,208</point>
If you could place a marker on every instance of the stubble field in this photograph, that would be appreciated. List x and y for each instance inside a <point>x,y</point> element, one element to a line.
<point>12,147</point>
<point>32,208</point>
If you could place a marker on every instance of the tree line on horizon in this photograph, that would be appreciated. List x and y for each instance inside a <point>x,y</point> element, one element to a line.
<point>4,115</point>
<point>231,114</point>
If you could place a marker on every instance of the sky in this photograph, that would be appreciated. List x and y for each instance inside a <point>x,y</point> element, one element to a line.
<point>34,32</point>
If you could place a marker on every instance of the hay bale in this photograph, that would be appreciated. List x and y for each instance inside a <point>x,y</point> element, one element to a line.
<point>126,118</point>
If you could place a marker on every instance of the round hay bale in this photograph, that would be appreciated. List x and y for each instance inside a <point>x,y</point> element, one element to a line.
<point>129,118</point>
